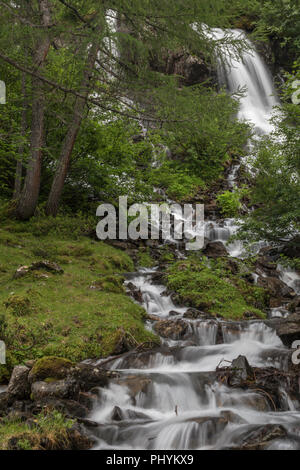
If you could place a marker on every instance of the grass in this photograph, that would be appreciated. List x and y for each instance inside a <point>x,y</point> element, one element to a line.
<point>210,286</point>
<point>51,428</point>
<point>47,314</point>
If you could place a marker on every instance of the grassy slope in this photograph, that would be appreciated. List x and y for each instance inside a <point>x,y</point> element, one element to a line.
<point>59,314</point>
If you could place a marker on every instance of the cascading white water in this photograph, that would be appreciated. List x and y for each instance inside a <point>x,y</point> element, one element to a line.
<point>171,399</point>
<point>250,74</point>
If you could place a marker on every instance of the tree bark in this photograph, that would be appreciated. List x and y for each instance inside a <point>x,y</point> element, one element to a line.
<point>29,196</point>
<point>19,167</point>
<point>70,138</point>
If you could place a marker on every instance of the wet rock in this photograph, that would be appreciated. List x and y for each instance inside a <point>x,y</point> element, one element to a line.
<point>294,306</point>
<point>253,401</point>
<point>87,399</point>
<point>215,250</point>
<point>88,376</point>
<point>120,415</point>
<point>172,329</point>
<point>288,329</point>
<point>241,372</point>
<point>194,314</point>
<point>66,388</point>
<point>276,287</point>
<point>232,417</point>
<point>261,437</point>
<point>136,384</point>
<point>19,387</point>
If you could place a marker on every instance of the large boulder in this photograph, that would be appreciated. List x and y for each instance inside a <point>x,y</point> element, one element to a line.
<point>50,367</point>
<point>19,387</point>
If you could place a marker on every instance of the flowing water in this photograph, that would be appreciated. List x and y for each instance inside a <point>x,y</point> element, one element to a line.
<point>170,399</point>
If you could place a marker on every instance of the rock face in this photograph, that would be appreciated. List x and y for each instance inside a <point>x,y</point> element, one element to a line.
<point>19,387</point>
<point>172,329</point>
<point>189,68</point>
<point>288,329</point>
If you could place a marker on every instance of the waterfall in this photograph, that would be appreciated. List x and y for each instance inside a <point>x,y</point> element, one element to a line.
<point>171,398</point>
<point>250,73</point>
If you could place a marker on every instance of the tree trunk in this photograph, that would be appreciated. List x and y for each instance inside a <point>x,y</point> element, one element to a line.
<point>19,168</point>
<point>29,196</point>
<point>70,138</point>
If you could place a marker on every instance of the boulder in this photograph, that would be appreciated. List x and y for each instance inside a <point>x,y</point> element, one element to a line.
<point>50,367</point>
<point>67,388</point>
<point>172,329</point>
<point>288,329</point>
<point>88,376</point>
<point>242,372</point>
<point>19,387</point>
<point>215,250</point>
<point>119,415</point>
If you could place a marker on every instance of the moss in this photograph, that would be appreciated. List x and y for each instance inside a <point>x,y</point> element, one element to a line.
<point>49,430</point>
<point>110,284</point>
<point>50,367</point>
<point>144,258</point>
<point>18,305</point>
<point>210,286</point>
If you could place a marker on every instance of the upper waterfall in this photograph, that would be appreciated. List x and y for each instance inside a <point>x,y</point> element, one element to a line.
<point>249,72</point>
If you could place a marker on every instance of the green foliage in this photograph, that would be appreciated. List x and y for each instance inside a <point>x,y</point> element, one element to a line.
<point>276,191</point>
<point>207,134</point>
<point>230,201</point>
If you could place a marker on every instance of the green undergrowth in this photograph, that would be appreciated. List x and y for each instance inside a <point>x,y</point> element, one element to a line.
<point>210,285</point>
<point>79,314</point>
<point>51,428</point>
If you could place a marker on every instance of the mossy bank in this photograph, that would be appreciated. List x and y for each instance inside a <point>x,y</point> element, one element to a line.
<point>82,312</point>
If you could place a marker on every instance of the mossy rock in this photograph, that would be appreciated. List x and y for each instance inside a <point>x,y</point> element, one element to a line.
<point>52,367</point>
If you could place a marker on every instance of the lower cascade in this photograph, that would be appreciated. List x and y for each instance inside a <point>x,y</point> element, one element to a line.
<point>174,398</point>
